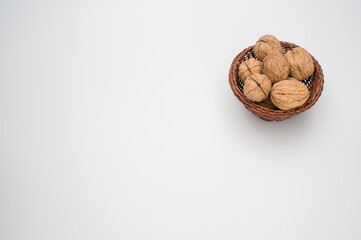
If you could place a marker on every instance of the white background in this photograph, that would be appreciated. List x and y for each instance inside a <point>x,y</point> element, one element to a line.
<point>117,122</point>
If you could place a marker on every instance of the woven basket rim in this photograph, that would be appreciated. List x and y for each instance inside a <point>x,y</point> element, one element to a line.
<point>275,115</point>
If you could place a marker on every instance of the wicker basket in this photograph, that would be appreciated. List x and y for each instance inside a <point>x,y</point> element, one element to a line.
<point>314,84</point>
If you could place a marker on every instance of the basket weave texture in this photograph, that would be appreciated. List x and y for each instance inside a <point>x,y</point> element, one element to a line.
<point>314,84</point>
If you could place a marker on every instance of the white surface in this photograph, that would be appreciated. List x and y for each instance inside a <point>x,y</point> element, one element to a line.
<point>117,122</point>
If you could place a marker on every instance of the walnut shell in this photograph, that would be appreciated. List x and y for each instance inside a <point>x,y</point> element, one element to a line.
<point>267,103</point>
<point>275,67</point>
<point>249,67</point>
<point>257,87</point>
<point>300,62</point>
<point>288,94</point>
<point>292,78</point>
<point>265,45</point>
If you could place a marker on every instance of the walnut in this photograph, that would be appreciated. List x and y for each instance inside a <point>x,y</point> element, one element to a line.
<point>300,62</point>
<point>292,78</point>
<point>257,87</point>
<point>288,94</point>
<point>248,68</point>
<point>275,67</point>
<point>265,45</point>
<point>267,103</point>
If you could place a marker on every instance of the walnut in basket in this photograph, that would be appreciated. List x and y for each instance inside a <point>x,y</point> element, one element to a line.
<point>300,62</point>
<point>288,94</point>
<point>265,45</point>
<point>249,67</point>
<point>257,87</point>
<point>292,78</point>
<point>275,67</point>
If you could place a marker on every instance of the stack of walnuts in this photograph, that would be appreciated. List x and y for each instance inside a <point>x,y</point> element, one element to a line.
<point>275,81</point>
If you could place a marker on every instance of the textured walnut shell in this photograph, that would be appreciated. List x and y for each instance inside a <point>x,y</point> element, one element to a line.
<point>300,62</point>
<point>275,67</point>
<point>265,45</point>
<point>292,78</point>
<point>288,94</point>
<point>257,87</point>
<point>249,67</point>
<point>267,103</point>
